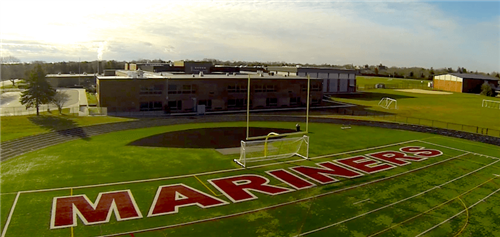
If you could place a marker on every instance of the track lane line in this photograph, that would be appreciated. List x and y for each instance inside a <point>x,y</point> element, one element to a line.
<point>4,231</point>
<point>210,172</point>
<point>287,203</point>
<point>392,204</point>
<point>471,206</point>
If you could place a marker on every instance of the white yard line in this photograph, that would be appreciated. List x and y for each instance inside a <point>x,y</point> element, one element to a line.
<point>10,215</point>
<point>361,201</point>
<point>474,153</point>
<point>394,203</point>
<point>207,173</point>
<point>468,208</point>
<point>290,202</point>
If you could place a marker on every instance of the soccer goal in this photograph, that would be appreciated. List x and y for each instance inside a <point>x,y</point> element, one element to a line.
<point>387,103</point>
<point>273,149</point>
<point>491,104</point>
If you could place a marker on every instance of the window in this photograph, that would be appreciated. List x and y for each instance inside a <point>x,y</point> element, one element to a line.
<point>315,87</point>
<point>237,89</point>
<point>231,103</point>
<point>270,88</point>
<point>271,101</point>
<point>175,105</point>
<point>259,88</point>
<point>172,89</point>
<point>303,88</point>
<point>151,106</point>
<point>151,90</point>
<point>236,103</point>
<point>186,89</point>
<point>294,100</point>
<point>207,103</point>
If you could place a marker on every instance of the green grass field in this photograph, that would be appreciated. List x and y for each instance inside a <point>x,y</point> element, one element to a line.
<point>403,201</point>
<point>13,127</point>
<point>459,108</point>
<point>361,81</point>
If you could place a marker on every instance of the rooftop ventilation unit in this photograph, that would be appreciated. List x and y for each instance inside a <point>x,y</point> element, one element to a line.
<point>193,75</point>
<point>234,73</point>
<point>201,74</point>
<point>227,74</point>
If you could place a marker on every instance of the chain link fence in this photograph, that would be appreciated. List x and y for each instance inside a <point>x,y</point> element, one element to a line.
<point>421,121</point>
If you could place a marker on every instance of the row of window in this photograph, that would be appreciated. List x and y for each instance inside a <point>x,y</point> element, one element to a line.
<point>190,89</point>
<point>151,90</point>
<point>184,89</point>
<point>231,103</point>
<point>151,106</point>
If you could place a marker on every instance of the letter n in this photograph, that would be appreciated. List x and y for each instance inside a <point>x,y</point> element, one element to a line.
<point>66,209</point>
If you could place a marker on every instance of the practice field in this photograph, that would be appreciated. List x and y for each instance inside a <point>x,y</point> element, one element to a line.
<point>361,181</point>
<point>430,92</point>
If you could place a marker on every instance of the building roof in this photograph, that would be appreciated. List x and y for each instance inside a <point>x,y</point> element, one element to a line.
<point>69,75</point>
<point>474,76</point>
<point>197,77</point>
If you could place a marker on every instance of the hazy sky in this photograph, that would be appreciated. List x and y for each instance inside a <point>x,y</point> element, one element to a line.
<point>416,33</point>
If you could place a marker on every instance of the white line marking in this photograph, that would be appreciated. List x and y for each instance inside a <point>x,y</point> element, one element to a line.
<point>10,215</point>
<point>208,173</point>
<point>286,203</point>
<point>474,153</point>
<point>361,201</point>
<point>471,206</point>
<point>496,175</point>
<point>394,203</point>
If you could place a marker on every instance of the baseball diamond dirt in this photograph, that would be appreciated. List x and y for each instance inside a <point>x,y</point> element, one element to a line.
<point>225,137</point>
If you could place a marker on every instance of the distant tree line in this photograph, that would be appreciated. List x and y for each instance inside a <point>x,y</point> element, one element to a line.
<point>21,70</point>
<point>12,68</point>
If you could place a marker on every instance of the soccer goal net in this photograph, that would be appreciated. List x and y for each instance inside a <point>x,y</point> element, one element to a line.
<point>491,104</point>
<point>388,103</point>
<point>272,149</point>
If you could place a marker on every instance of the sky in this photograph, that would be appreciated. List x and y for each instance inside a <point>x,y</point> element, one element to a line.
<point>394,33</point>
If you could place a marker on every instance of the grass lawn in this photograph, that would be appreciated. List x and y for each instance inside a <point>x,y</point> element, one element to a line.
<point>108,158</point>
<point>460,108</point>
<point>13,127</point>
<point>91,98</point>
<point>361,81</point>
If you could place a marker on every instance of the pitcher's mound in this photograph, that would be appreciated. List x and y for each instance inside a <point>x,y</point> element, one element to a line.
<point>217,138</point>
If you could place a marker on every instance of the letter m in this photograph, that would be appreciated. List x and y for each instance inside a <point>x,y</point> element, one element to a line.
<point>66,209</point>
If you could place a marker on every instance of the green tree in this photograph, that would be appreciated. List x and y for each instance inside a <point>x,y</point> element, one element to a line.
<point>487,90</point>
<point>38,90</point>
<point>59,99</point>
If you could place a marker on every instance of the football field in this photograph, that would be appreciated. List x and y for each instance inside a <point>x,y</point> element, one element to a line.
<point>361,181</point>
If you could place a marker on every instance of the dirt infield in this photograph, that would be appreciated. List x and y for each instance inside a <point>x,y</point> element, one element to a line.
<point>420,91</point>
<point>217,138</point>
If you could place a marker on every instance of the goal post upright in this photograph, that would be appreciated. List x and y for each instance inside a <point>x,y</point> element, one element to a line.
<point>248,106</point>
<point>308,102</point>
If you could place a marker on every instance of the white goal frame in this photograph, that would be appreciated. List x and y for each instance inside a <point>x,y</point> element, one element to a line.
<point>490,104</point>
<point>386,103</point>
<point>262,148</point>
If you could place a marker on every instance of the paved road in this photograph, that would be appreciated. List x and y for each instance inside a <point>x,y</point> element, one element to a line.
<point>10,105</point>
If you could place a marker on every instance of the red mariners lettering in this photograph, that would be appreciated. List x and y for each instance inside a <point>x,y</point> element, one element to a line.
<point>395,157</point>
<point>66,209</point>
<point>291,179</point>
<point>421,151</point>
<point>365,164</point>
<point>323,176</point>
<point>237,188</point>
<point>169,198</point>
